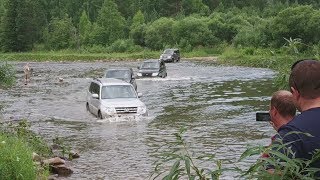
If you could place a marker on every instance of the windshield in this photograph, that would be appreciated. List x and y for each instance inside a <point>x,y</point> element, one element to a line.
<point>150,65</point>
<point>118,74</point>
<point>117,91</point>
<point>168,51</point>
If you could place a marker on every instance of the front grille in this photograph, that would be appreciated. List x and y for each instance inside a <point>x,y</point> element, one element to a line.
<point>126,110</point>
<point>146,74</point>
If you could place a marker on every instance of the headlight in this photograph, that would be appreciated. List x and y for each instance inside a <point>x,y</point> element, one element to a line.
<point>155,74</point>
<point>139,74</point>
<point>110,110</point>
<point>142,110</point>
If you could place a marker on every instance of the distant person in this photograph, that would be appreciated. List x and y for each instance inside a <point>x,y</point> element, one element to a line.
<point>27,72</point>
<point>304,83</point>
<point>282,110</point>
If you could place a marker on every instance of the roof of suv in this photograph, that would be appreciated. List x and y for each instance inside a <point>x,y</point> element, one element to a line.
<point>152,60</point>
<point>119,68</point>
<point>110,81</point>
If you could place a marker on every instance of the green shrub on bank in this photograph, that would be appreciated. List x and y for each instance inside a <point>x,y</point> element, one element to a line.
<point>179,162</point>
<point>7,75</point>
<point>15,159</point>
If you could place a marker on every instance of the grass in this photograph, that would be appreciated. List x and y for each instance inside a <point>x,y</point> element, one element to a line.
<point>17,143</point>
<point>7,75</point>
<point>15,159</point>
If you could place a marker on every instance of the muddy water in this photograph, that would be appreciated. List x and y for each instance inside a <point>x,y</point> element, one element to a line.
<point>216,103</point>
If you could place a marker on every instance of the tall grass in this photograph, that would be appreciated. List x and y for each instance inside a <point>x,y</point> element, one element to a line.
<point>15,159</point>
<point>7,75</point>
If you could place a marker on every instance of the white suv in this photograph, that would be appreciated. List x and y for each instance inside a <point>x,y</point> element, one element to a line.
<point>108,97</point>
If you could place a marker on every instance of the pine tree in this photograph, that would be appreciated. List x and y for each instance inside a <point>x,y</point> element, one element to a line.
<point>111,21</point>
<point>85,28</point>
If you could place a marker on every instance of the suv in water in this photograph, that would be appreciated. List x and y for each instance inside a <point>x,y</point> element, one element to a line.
<point>152,68</point>
<point>108,97</point>
<point>170,55</point>
<point>124,74</point>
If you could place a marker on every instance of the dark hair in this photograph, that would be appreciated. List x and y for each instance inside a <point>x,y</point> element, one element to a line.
<point>283,102</point>
<point>305,78</point>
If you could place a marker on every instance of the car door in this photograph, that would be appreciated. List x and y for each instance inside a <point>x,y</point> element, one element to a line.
<point>95,101</point>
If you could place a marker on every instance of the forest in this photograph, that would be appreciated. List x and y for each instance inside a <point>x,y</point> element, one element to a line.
<point>134,25</point>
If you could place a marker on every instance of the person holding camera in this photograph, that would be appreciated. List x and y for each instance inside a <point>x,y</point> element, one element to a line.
<point>282,110</point>
<point>304,82</point>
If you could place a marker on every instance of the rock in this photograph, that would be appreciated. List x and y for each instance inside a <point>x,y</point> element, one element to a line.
<point>55,146</point>
<point>60,79</point>
<point>73,155</point>
<point>36,157</point>
<point>61,170</point>
<point>54,161</point>
<point>53,177</point>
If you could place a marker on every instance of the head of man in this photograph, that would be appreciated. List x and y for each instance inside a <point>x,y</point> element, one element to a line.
<point>282,108</point>
<point>304,82</point>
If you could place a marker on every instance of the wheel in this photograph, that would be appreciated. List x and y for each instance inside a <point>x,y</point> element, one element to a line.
<point>100,115</point>
<point>172,60</point>
<point>87,107</point>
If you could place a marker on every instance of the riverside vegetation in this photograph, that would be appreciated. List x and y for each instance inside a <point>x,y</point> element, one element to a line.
<point>255,33</point>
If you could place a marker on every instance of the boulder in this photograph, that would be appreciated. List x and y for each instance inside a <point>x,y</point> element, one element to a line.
<point>54,161</point>
<point>73,155</point>
<point>61,170</point>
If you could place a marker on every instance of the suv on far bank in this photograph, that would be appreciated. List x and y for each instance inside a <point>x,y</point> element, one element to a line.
<point>170,55</point>
<point>108,97</point>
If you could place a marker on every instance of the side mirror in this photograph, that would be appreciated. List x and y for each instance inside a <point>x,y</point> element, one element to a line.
<point>138,67</point>
<point>139,95</point>
<point>95,96</point>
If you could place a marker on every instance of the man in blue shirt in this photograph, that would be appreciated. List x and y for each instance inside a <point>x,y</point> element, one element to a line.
<point>304,84</point>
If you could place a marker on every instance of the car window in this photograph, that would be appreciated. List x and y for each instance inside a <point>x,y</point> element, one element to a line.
<point>168,51</point>
<point>150,65</point>
<point>117,91</point>
<point>96,89</point>
<point>91,87</point>
<point>119,74</point>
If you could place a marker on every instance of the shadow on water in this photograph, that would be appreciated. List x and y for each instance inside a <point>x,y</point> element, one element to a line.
<point>217,104</point>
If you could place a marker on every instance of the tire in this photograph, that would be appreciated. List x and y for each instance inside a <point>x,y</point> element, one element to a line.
<point>100,115</point>
<point>172,60</point>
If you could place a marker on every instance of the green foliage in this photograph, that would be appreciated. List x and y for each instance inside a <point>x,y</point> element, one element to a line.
<point>194,30</point>
<point>137,29</point>
<point>301,22</point>
<point>279,159</point>
<point>15,159</point>
<point>85,28</point>
<point>159,33</point>
<point>60,34</point>
<point>195,7</point>
<point>111,23</point>
<point>7,75</point>
<point>123,46</point>
<point>185,163</point>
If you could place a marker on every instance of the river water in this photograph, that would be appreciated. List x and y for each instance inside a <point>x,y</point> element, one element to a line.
<point>216,104</point>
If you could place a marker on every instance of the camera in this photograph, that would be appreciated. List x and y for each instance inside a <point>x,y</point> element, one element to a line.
<point>263,116</point>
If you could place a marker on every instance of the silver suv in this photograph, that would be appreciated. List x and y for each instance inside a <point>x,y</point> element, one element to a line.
<point>108,97</point>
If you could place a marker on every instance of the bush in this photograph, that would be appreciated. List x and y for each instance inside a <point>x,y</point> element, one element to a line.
<point>122,45</point>
<point>194,30</point>
<point>15,159</point>
<point>159,33</point>
<point>7,75</point>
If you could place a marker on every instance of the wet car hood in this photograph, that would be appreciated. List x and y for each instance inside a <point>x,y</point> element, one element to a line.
<point>148,70</point>
<point>122,102</point>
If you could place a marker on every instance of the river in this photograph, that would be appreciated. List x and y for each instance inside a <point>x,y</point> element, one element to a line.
<point>216,104</point>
